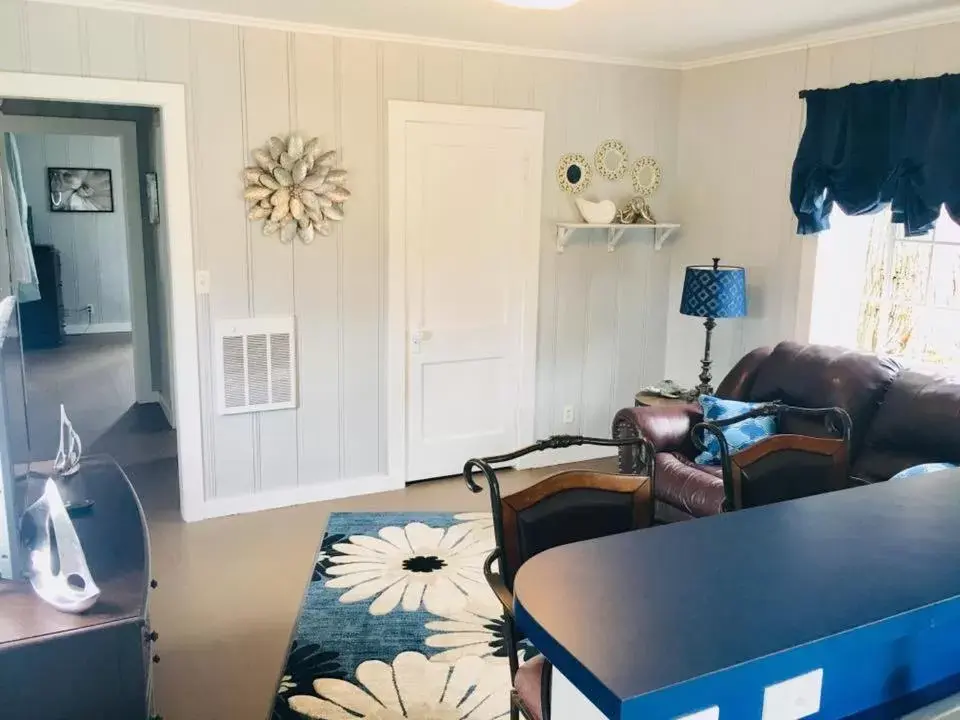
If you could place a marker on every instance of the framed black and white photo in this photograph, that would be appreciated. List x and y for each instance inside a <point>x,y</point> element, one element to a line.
<point>80,190</point>
<point>153,198</point>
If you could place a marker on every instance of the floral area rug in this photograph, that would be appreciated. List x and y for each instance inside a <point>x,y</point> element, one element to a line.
<point>398,622</point>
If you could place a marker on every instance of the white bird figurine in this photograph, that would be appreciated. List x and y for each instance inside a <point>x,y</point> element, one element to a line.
<point>597,213</point>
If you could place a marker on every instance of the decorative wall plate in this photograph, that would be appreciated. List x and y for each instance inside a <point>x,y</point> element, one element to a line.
<point>646,176</point>
<point>574,173</point>
<point>611,159</point>
<point>295,189</point>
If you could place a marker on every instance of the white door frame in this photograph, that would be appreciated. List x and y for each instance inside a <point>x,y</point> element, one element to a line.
<point>126,132</point>
<point>170,100</point>
<point>400,113</point>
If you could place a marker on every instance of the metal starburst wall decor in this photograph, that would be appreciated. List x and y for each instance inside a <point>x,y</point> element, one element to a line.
<point>295,189</point>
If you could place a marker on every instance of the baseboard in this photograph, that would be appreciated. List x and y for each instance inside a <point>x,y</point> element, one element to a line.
<point>576,453</point>
<point>97,328</point>
<point>160,400</point>
<point>317,492</point>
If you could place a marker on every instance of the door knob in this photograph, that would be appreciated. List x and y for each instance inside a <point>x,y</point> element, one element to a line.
<point>418,337</point>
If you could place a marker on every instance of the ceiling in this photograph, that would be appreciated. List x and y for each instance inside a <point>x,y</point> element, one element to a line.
<point>656,31</point>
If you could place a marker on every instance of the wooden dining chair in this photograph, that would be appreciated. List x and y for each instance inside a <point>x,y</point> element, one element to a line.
<point>563,508</point>
<point>810,456</point>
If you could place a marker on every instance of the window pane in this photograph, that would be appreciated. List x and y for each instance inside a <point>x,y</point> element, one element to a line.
<point>880,234</point>
<point>911,263</point>
<point>947,230</point>
<point>946,275</point>
<point>900,331</point>
<point>868,331</point>
<point>941,344</point>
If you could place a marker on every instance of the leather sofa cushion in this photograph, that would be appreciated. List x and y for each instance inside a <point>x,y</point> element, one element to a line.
<point>818,376</point>
<point>919,421</point>
<point>876,464</point>
<point>682,484</point>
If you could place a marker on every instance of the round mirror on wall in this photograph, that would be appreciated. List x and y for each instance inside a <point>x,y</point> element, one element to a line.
<point>646,176</point>
<point>573,173</point>
<point>611,159</point>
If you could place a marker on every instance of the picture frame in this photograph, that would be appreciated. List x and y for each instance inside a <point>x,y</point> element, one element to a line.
<point>152,190</point>
<point>80,190</point>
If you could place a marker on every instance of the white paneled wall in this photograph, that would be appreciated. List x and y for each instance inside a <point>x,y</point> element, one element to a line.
<point>739,129</point>
<point>93,246</point>
<point>602,315</point>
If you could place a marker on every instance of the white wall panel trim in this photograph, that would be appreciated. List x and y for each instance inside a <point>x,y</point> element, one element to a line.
<point>863,31</point>
<point>912,21</point>
<point>563,456</point>
<point>317,492</point>
<point>117,327</point>
<point>183,13</point>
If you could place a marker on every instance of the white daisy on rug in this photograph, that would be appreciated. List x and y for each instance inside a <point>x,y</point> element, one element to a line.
<point>412,687</point>
<point>477,629</point>
<point>479,522</point>
<point>412,566</point>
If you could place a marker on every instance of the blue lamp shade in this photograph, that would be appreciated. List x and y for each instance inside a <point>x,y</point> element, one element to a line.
<point>714,292</point>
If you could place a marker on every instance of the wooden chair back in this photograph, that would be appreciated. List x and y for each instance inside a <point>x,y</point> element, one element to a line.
<point>569,507</point>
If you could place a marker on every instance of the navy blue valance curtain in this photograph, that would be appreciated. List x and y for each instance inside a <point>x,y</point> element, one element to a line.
<point>866,146</point>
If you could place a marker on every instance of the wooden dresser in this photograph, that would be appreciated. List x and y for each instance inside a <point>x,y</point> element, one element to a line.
<point>57,666</point>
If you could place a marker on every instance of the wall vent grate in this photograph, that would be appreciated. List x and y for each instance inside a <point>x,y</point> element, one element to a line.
<point>256,364</point>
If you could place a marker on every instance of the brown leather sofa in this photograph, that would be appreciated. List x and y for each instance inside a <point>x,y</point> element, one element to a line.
<point>900,418</point>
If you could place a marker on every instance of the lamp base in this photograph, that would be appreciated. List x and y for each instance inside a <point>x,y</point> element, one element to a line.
<point>705,388</point>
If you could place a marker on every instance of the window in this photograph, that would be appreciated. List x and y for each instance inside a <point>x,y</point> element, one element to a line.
<point>879,291</point>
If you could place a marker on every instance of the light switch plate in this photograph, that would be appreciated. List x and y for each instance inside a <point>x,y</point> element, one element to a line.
<point>203,282</point>
<point>795,698</point>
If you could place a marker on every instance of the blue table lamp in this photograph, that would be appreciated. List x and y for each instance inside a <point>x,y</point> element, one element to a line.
<point>713,292</point>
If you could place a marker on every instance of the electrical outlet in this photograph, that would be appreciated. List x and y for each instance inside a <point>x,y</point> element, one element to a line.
<point>568,415</point>
<point>795,698</point>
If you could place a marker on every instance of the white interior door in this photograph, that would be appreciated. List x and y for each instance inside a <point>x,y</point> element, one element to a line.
<point>470,225</point>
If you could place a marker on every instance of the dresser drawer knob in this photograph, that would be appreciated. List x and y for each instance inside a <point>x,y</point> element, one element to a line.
<point>154,584</point>
<point>154,636</point>
<point>156,658</point>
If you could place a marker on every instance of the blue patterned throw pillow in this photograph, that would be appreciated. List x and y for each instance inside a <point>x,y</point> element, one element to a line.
<point>923,470</point>
<point>739,436</point>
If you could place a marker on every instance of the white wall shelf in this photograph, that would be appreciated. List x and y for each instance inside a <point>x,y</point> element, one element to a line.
<point>615,233</point>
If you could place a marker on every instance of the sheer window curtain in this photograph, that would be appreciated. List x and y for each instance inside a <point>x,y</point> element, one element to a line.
<point>23,272</point>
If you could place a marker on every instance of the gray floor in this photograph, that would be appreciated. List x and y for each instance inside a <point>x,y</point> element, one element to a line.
<point>229,589</point>
<point>92,375</point>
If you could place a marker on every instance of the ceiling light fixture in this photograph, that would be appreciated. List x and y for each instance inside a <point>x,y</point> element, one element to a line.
<point>539,4</point>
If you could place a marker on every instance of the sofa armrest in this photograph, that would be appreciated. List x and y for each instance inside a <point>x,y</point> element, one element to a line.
<point>664,429</point>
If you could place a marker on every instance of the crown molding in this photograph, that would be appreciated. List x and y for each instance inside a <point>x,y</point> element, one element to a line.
<point>862,31</point>
<point>913,21</point>
<point>145,8</point>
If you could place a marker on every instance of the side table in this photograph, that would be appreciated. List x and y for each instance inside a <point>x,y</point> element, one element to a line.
<point>642,399</point>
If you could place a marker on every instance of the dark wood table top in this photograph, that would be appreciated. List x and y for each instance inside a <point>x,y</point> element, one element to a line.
<point>114,539</point>
<point>640,614</point>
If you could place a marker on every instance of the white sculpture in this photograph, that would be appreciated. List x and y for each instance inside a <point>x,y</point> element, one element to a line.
<point>295,189</point>
<point>67,461</point>
<point>71,588</point>
<point>597,213</point>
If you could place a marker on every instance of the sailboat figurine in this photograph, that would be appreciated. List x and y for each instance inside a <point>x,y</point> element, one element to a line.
<point>70,588</point>
<point>67,461</point>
